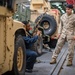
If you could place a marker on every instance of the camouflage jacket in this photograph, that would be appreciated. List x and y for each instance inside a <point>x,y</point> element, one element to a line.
<point>67,27</point>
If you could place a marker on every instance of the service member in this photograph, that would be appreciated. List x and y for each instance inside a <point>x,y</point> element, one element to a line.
<point>29,41</point>
<point>66,34</point>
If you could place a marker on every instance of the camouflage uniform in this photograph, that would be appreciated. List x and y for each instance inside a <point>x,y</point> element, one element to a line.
<point>67,32</point>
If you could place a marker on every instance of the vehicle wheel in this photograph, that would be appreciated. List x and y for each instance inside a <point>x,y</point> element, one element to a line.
<point>19,61</point>
<point>38,46</point>
<point>48,23</point>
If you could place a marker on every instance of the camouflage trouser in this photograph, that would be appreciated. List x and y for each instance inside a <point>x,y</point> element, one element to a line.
<point>59,46</point>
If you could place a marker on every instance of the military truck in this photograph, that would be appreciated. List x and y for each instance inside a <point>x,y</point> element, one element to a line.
<point>12,47</point>
<point>48,18</point>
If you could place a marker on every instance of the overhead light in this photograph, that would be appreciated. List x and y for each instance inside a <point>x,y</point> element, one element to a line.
<point>57,3</point>
<point>27,5</point>
<point>29,0</point>
<point>59,7</point>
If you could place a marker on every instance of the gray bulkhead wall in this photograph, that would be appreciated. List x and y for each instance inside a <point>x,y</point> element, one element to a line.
<point>23,12</point>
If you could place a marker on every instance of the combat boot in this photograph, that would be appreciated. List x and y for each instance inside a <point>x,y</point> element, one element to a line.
<point>69,63</point>
<point>53,61</point>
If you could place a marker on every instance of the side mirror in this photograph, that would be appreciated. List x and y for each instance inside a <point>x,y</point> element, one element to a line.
<point>11,5</point>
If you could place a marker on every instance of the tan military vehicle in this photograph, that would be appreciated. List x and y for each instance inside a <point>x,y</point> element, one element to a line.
<point>12,47</point>
<point>48,18</point>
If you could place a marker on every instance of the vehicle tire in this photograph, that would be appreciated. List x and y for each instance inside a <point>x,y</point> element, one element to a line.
<point>38,46</point>
<point>48,23</point>
<point>19,60</point>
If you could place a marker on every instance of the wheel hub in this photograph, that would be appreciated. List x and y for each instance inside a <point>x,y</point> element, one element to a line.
<point>46,25</point>
<point>20,58</point>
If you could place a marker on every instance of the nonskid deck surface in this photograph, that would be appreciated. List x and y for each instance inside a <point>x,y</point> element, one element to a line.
<point>43,66</point>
